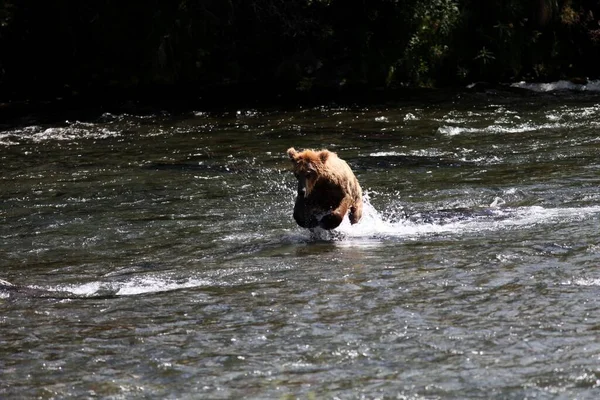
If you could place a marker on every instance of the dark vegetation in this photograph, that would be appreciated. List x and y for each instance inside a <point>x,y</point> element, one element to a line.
<point>104,48</point>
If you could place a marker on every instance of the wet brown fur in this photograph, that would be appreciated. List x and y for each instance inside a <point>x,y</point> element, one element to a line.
<point>327,189</point>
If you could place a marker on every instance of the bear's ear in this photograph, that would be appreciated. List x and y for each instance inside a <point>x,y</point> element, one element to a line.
<point>292,153</point>
<point>324,155</point>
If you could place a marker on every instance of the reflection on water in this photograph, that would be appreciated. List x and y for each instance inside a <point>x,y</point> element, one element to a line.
<point>156,256</point>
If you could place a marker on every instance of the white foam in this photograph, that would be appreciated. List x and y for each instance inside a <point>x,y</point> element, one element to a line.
<point>84,289</point>
<point>5,139</point>
<point>583,282</point>
<point>37,134</point>
<point>156,284</point>
<point>130,287</point>
<point>448,130</point>
<point>386,154</point>
<point>416,153</point>
<point>463,154</point>
<point>590,86</point>
<point>373,224</point>
<point>72,133</point>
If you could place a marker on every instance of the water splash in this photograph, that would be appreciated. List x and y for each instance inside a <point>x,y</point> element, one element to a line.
<point>458,221</point>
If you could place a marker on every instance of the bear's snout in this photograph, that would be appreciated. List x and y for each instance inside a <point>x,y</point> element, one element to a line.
<point>302,190</point>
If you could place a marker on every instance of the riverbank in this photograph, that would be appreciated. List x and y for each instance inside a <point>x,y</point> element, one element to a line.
<point>175,100</point>
<point>63,49</point>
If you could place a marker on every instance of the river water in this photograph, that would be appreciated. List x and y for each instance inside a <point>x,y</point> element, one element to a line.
<point>154,255</point>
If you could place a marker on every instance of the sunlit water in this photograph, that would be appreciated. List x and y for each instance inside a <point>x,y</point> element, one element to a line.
<point>155,255</point>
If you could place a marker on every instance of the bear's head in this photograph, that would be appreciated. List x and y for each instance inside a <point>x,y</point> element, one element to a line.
<point>308,166</point>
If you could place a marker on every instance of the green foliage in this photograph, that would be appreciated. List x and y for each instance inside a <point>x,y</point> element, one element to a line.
<point>433,24</point>
<point>58,47</point>
<point>485,56</point>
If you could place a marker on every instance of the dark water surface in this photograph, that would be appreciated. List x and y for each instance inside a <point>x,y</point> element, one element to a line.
<point>155,256</point>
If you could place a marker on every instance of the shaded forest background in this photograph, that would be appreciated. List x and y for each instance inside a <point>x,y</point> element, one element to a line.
<point>56,48</point>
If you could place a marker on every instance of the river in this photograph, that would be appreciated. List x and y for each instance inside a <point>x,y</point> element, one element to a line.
<point>154,254</point>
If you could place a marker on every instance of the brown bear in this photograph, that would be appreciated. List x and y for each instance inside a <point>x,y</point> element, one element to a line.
<point>327,189</point>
